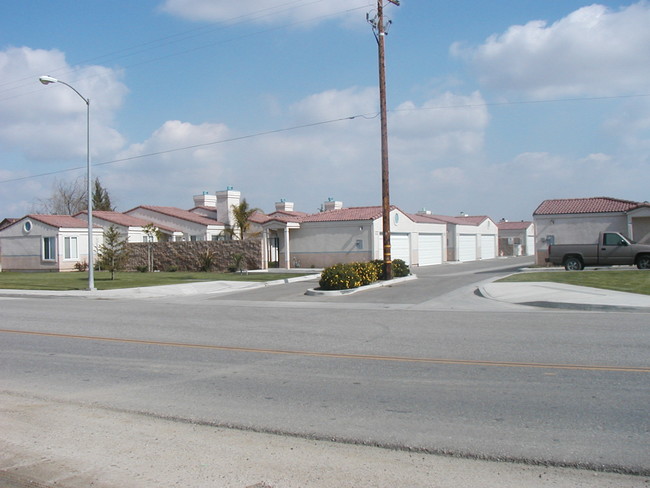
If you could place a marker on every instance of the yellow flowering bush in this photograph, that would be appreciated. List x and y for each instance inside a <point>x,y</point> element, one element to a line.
<point>346,276</point>
<point>353,275</point>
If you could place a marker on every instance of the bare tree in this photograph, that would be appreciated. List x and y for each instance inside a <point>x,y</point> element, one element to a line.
<point>67,198</point>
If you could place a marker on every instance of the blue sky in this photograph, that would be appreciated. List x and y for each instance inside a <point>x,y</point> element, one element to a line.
<point>493,106</point>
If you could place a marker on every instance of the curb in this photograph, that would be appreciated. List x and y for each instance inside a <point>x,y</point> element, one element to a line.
<point>379,284</point>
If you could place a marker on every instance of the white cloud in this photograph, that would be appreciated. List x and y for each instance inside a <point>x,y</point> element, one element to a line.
<point>592,51</point>
<point>48,123</point>
<point>259,11</point>
<point>341,159</point>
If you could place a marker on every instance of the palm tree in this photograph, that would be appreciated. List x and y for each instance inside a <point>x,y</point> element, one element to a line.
<point>242,214</point>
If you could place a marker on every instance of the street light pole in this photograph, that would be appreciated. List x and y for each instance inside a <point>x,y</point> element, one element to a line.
<point>46,80</point>
<point>379,28</point>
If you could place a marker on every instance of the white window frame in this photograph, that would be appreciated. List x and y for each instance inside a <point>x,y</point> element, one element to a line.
<point>70,252</point>
<point>49,248</point>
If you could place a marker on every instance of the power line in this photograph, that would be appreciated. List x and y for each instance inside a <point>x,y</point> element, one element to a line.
<point>367,116</point>
<point>183,36</point>
<point>194,146</point>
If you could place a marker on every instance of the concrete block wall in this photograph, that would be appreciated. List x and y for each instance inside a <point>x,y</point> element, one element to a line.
<point>185,256</point>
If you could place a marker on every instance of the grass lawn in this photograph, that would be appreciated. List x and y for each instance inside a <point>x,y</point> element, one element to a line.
<point>631,281</point>
<point>79,281</point>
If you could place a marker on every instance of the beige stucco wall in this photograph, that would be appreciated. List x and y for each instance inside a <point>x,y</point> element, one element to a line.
<point>321,244</point>
<point>574,229</point>
<point>23,251</point>
<point>188,228</point>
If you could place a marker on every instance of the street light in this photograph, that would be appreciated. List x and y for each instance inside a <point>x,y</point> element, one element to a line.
<point>46,80</point>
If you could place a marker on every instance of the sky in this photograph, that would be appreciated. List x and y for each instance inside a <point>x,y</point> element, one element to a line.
<point>493,107</point>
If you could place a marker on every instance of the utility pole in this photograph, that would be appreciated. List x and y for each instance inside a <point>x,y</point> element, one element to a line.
<point>379,29</point>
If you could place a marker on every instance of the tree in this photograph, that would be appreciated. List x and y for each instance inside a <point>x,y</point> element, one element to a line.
<point>113,253</point>
<point>242,214</point>
<point>67,198</point>
<point>101,198</point>
<point>150,231</point>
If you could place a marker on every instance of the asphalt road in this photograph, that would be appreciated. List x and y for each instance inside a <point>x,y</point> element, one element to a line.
<point>424,365</point>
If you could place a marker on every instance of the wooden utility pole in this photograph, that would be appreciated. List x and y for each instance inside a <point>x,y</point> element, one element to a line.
<point>379,28</point>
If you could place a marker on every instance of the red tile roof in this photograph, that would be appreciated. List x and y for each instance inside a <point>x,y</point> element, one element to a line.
<point>425,219</point>
<point>60,221</point>
<point>464,220</point>
<point>514,225</point>
<point>584,205</point>
<point>344,214</point>
<point>179,214</point>
<point>118,218</point>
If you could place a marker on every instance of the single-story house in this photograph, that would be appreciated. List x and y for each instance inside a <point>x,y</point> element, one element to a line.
<point>46,243</point>
<point>580,220</point>
<point>516,238</point>
<point>341,235</point>
<point>186,225</point>
<point>133,228</point>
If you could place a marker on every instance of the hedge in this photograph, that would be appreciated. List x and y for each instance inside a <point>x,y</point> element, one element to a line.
<point>353,275</point>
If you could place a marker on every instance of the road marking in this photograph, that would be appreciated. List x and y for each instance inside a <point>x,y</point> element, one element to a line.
<point>368,357</point>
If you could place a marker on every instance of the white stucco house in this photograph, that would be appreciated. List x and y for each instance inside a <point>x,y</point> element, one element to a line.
<point>580,220</point>
<point>516,238</point>
<point>185,225</point>
<point>46,243</point>
<point>343,235</point>
<point>130,227</point>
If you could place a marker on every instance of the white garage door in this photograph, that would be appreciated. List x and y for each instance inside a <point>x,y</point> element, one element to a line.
<point>430,249</point>
<point>488,246</point>
<point>399,247</point>
<point>466,247</point>
<point>530,245</point>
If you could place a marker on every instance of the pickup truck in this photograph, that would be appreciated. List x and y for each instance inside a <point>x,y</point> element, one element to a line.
<point>612,249</point>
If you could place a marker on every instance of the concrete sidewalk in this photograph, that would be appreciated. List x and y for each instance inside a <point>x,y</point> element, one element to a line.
<point>558,295</point>
<point>184,289</point>
<point>541,294</point>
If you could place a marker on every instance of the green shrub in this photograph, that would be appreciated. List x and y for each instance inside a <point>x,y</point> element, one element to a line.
<point>367,272</point>
<point>351,275</point>
<point>206,259</point>
<point>400,268</point>
<point>339,277</point>
<point>379,264</point>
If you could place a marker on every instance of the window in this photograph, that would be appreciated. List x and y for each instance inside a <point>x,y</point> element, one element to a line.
<point>613,240</point>
<point>49,249</point>
<point>70,250</point>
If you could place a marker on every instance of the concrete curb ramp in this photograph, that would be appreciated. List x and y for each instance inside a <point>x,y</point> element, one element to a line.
<point>559,295</point>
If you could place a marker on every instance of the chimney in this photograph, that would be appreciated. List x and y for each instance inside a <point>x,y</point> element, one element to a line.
<point>205,200</point>
<point>284,206</point>
<point>424,211</point>
<point>332,204</point>
<point>226,199</point>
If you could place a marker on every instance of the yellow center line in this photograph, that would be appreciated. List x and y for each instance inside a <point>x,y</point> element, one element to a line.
<point>369,357</point>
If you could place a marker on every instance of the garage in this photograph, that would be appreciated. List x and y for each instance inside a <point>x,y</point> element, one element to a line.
<point>530,245</point>
<point>488,246</point>
<point>400,248</point>
<point>430,249</point>
<point>466,247</point>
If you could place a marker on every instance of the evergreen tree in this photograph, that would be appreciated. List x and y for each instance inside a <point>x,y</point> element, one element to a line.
<point>113,253</point>
<point>101,198</point>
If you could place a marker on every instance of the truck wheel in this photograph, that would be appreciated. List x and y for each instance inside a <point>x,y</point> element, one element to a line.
<point>573,264</point>
<point>643,262</point>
